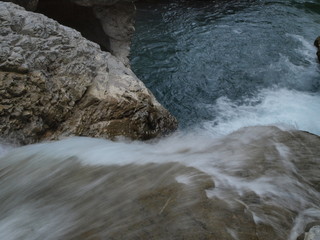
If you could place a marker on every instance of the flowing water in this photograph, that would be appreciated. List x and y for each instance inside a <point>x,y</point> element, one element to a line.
<point>242,78</point>
<point>222,65</point>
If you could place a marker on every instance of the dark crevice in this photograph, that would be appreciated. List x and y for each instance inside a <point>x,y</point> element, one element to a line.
<point>77,17</point>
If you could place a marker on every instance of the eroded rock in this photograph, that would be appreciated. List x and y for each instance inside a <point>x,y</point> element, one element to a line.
<point>108,23</point>
<point>56,83</point>
<point>118,24</point>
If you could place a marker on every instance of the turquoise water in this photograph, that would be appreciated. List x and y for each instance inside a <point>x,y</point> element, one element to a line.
<point>222,65</point>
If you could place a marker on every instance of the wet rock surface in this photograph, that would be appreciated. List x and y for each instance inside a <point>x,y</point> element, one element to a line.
<point>311,231</point>
<point>56,83</point>
<point>117,194</point>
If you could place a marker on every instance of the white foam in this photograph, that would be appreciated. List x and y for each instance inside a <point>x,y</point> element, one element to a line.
<point>184,179</point>
<point>281,107</point>
<point>247,161</point>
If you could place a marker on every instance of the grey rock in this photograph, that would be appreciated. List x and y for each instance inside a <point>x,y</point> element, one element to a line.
<point>310,225</point>
<point>313,234</point>
<point>110,26</point>
<point>118,24</point>
<point>56,83</point>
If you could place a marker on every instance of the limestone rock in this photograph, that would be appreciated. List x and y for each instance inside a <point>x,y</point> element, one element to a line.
<point>54,82</point>
<point>108,23</point>
<point>313,234</point>
<point>118,24</point>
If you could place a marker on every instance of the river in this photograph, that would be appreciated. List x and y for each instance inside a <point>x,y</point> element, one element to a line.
<point>229,64</point>
<point>243,80</point>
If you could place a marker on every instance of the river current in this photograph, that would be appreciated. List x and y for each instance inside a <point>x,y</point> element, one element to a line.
<point>222,65</point>
<point>242,78</point>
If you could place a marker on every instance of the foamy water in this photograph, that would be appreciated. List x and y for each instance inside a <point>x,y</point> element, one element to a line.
<point>242,78</point>
<point>279,107</point>
<point>263,162</point>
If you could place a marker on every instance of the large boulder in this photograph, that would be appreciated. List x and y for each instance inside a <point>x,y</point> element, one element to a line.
<point>56,83</point>
<point>110,23</point>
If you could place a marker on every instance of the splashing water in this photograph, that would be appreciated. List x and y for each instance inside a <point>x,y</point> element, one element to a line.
<point>279,107</point>
<point>262,180</point>
<point>242,78</point>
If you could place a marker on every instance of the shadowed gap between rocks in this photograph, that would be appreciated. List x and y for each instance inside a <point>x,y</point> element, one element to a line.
<point>77,17</point>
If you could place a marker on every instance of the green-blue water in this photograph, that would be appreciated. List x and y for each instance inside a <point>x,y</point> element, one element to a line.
<point>222,65</point>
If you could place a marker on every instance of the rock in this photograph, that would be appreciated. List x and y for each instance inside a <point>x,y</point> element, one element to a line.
<point>301,236</point>
<point>146,202</point>
<point>118,24</point>
<point>108,23</point>
<point>56,83</point>
<point>313,234</point>
<point>113,191</point>
<point>312,231</point>
<point>317,44</point>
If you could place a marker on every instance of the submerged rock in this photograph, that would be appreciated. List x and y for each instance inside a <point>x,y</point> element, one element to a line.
<point>85,188</point>
<point>54,82</point>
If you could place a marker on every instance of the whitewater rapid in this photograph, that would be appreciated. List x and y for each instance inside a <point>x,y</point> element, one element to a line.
<point>267,171</point>
<point>243,79</point>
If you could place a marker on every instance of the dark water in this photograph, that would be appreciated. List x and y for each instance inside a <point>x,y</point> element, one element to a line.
<point>221,65</point>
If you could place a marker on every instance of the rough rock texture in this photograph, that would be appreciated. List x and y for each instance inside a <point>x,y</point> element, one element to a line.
<point>118,24</point>
<point>54,82</point>
<point>111,25</point>
<point>317,44</point>
<point>82,19</point>
<point>313,234</point>
<point>116,19</point>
